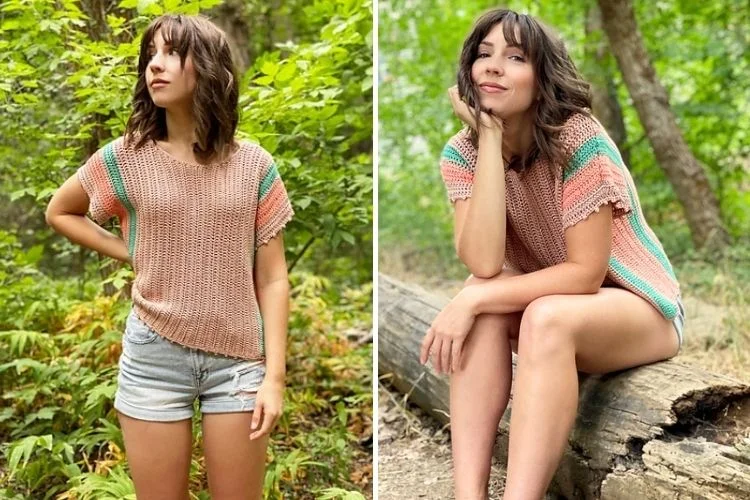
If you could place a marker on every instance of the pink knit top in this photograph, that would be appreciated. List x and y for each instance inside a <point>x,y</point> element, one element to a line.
<point>192,232</point>
<point>540,205</point>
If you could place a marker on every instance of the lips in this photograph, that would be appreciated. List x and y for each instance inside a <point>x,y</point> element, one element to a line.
<point>158,82</point>
<point>492,87</point>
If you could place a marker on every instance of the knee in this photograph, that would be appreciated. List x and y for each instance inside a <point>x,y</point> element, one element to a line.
<point>491,322</point>
<point>544,330</point>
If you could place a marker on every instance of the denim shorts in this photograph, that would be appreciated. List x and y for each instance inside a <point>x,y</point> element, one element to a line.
<point>679,321</point>
<point>160,380</point>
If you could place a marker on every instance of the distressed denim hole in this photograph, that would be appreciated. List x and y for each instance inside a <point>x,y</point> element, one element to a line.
<point>246,383</point>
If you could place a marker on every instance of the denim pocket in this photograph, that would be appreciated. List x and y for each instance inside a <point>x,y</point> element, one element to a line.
<point>138,332</point>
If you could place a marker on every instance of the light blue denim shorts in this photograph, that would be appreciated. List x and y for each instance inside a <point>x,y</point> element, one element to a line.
<point>679,321</point>
<point>160,380</point>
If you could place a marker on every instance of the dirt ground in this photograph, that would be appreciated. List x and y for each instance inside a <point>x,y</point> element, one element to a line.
<point>414,458</point>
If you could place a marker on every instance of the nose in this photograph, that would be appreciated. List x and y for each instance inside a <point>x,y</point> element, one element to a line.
<point>155,64</point>
<point>495,67</point>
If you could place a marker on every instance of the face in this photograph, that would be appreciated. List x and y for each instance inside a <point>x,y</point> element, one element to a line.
<point>503,75</point>
<point>164,65</point>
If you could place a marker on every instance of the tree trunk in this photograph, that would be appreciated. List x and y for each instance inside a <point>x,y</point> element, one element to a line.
<point>604,103</point>
<point>683,170</point>
<point>648,433</point>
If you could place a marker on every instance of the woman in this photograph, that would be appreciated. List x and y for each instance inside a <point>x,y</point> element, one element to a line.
<point>566,271</point>
<point>201,216</point>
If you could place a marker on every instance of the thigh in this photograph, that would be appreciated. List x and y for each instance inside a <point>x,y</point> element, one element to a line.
<point>229,385</point>
<point>155,380</point>
<point>159,455</point>
<point>612,330</point>
<point>235,464</point>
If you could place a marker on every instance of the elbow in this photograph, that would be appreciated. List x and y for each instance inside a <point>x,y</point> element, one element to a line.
<point>49,218</point>
<point>594,282</point>
<point>486,272</point>
<point>480,266</point>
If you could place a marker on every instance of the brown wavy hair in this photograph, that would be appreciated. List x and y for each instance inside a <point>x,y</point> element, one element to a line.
<point>562,90</point>
<point>216,92</point>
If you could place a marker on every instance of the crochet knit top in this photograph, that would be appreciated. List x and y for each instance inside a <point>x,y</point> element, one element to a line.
<point>192,232</point>
<point>540,205</point>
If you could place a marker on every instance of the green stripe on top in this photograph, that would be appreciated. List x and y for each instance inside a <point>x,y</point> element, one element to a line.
<point>667,308</point>
<point>115,177</point>
<point>600,145</point>
<point>452,154</point>
<point>592,147</point>
<point>265,184</point>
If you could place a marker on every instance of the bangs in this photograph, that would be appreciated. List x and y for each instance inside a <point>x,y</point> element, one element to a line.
<point>175,32</point>
<point>517,31</point>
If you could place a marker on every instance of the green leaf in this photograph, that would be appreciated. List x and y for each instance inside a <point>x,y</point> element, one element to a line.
<point>286,73</point>
<point>269,68</point>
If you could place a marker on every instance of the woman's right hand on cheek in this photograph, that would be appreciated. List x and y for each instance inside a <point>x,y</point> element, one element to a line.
<point>466,115</point>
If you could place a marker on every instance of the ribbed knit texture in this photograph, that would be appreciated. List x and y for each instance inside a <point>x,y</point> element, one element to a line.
<point>192,231</point>
<point>540,205</point>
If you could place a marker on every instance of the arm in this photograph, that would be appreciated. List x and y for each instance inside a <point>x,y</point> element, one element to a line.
<point>66,214</point>
<point>479,233</point>
<point>588,243</point>
<point>272,290</point>
<point>479,227</point>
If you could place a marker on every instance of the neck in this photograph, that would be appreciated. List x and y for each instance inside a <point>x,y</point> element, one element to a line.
<point>518,135</point>
<point>180,128</point>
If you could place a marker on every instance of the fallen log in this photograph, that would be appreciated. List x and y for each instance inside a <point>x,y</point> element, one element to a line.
<point>665,430</point>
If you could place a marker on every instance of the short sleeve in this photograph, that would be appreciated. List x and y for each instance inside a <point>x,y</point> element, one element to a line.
<point>457,163</point>
<point>97,182</point>
<point>594,176</point>
<point>274,207</point>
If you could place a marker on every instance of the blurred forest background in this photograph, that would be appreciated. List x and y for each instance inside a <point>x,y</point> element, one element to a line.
<point>67,72</point>
<point>683,129</point>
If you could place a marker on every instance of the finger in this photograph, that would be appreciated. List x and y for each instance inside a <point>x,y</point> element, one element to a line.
<point>445,354</point>
<point>456,350</point>
<point>458,103</point>
<point>424,352</point>
<point>257,415</point>
<point>265,428</point>
<point>435,353</point>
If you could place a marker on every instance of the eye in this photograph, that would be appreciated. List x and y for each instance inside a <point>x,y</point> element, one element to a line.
<point>518,58</point>
<point>482,55</point>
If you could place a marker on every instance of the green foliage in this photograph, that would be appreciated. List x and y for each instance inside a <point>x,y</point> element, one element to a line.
<point>66,79</point>
<point>61,432</point>
<point>319,128</point>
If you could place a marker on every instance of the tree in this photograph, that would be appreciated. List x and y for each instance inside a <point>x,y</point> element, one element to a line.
<point>650,99</point>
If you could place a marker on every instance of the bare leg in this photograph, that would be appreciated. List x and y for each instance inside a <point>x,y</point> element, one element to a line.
<point>479,393</point>
<point>159,457</point>
<point>611,330</point>
<point>236,465</point>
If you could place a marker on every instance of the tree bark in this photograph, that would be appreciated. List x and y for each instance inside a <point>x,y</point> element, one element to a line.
<point>683,170</point>
<point>651,432</point>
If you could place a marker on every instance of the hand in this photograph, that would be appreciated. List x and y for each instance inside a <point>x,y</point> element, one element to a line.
<point>268,405</point>
<point>461,109</point>
<point>445,338</point>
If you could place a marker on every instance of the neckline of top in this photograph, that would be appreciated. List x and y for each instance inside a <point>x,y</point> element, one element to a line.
<point>173,158</point>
